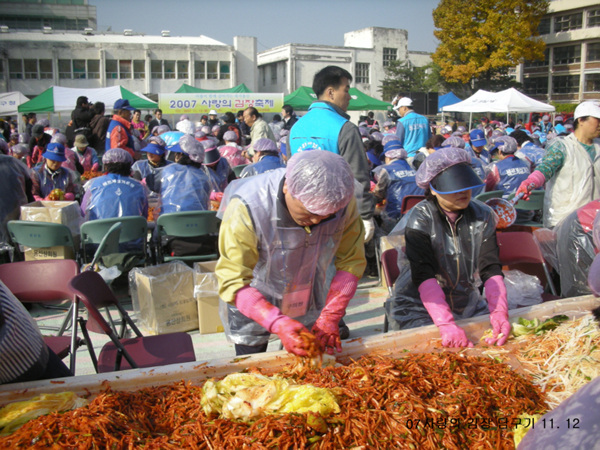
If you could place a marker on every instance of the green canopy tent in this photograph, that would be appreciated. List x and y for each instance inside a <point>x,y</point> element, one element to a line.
<point>187,89</point>
<point>61,99</point>
<point>302,98</point>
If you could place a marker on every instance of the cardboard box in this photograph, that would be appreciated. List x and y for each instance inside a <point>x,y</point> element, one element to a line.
<point>66,213</point>
<point>58,252</point>
<point>165,300</point>
<point>206,291</point>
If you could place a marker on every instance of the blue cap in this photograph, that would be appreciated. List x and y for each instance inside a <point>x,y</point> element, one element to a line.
<point>154,149</point>
<point>478,137</point>
<point>123,103</point>
<point>392,145</point>
<point>55,152</point>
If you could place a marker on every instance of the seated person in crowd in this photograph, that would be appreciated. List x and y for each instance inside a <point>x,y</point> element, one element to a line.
<point>83,154</point>
<point>155,162</point>
<point>508,172</point>
<point>24,356</point>
<point>51,175</point>
<point>478,164</point>
<point>266,158</point>
<point>231,151</point>
<point>217,169</point>
<point>395,180</point>
<point>115,194</point>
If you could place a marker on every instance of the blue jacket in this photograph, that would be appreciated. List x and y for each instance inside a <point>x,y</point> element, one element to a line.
<point>111,126</point>
<point>265,164</point>
<point>413,131</point>
<point>114,195</point>
<point>184,188</point>
<point>513,172</point>
<point>402,183</point>
<point>319,128</point>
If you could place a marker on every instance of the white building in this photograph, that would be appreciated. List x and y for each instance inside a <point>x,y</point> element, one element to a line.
<point>364,54</point>
<point>570,71</point>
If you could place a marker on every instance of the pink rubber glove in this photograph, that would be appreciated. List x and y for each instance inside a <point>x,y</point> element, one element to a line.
<point>95,167</point>
<point>253,305</point>
<point>533,181</point>
<point>326,328</point>
<point>495,293</point>
<point>434,300</point>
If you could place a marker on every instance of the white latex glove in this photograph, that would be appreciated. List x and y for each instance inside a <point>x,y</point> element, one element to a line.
<point>369,229</point>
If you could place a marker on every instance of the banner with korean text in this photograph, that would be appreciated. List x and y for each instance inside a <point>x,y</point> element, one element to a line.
<point>192,103</point>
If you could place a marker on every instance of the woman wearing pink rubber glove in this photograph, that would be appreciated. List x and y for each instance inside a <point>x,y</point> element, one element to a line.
<point>280,232</point>
<point>52,176</point>
<point>450,251</point>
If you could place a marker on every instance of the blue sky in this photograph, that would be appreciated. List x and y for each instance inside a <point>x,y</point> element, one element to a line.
<point>273,23</point>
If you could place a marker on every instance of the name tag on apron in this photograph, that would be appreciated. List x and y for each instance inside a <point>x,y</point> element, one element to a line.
<point>295,303</point>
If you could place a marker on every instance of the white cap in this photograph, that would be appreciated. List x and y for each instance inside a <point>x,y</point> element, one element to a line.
<point>589,108</point>
<point>212,112</point>
<point>404,101</point>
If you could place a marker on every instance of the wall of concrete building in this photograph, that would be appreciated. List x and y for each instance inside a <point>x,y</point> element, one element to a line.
<point>244,66</point>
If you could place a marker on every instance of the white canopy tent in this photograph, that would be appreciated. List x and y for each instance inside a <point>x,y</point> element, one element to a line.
<point>507,101</point>
<point>10,101</point>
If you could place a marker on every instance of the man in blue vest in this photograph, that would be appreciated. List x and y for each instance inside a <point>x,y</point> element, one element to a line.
<point>327,126</point>
<point>118,135</point>
<point>412,128</point>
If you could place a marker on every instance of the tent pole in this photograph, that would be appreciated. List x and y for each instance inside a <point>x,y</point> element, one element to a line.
<point>470,121</point>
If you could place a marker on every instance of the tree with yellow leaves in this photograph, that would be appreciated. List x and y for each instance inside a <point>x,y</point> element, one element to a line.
<point>481,39</point>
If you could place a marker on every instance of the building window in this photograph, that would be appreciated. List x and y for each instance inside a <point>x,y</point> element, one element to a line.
<point>224,70</point>
<point>273,68</point>
<point>389,54</point>
<point>93,69</point>
<point>212,68</point>
<point>125,69</point>
<point>45,69</point>
<point>200,70</point>
<point>15,69</point>
<point>592,82</point>
<point>539,63</point>
<point>570,54</point>
<point>64,69</point>
<point>78,69</point>
<point>31,70</point>
<point>262,74</point>
<point>362,73</point>
<point>536,86</point>
<point>156,69</point>
<point>112,69</point>
<point>183,70</point>
<point>169,70</point>
<point>568,22</point>
<point>139,69</point>
<point>593,18</point>
<point>593,52</point>
<point>544,26</point>
<point>565,84</point>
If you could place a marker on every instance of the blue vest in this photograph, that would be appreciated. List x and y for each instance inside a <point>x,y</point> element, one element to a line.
<point>479,168</point>
<point>144,167</point>
<point>111,126</point>
<point>184,188</point>
<point>484,156</point>
<point>266,164</point>
<point>402,183</point>
<point>416,132</point>
<point>533,153</point>
<point>57,180</point>
<point>114,195</point>
<point>318,128</point>
<point>512,173</point>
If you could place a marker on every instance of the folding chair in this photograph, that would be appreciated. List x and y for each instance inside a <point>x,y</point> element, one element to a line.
<point>185,225</point>
<point>46,281</point>
<point>109,244</point>
<point>389,265</point>
<point>40,234</point>
<point>535,203</point>
<point>408,201</point>
<point>489,194</point>
<point>140,351</point>
<point>132,228</point>
<point>238,169</point>
<point>520,248</point>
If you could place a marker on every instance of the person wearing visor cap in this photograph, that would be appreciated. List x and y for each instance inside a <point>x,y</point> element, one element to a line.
<point>280,232</point>
<point>395,180</point>
<point>266,158</point>
<point>154,164</point>
<point>450,251</point>
<point>570,169</point>
<point>509,171</point>
<point>51,175</point>
<point>477,164</point>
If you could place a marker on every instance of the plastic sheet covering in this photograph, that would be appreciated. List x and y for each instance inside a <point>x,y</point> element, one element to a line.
<point>163,298</point>
<point>184,188</point>
<point>522,289</point>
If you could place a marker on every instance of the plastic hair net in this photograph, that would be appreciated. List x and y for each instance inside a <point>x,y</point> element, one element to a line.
<point>364,131</point>
<point>163,129</point>
<point>184,117</point>
<point>264,145</point>
<point>283,133</point>
<point>398,153</point>
<point>389,137</point>
<point>207,145</point>
<point>454,141</point>
<point>157,140</point>
<point>215,128</point>
<point>497,133</point>
<point>60,138</point>
<point>377,136</point>
<point>44,122</point>
<point>20,149</point>
<point>321,180</point>
<point>191,147</point>
<point>437,162</point>
<point>117,155</point>
<point>172,137</point>
<point>506,144</point>
<point>229,136</point>
<point>461,129</point>
<point>201,135</point>
<point>205,129</point>
<point>388,123</point>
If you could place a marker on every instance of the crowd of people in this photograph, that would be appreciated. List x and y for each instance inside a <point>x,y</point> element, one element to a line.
<point>303,217</point>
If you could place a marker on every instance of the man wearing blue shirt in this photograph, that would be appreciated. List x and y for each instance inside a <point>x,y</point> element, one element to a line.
<point>412,129</point>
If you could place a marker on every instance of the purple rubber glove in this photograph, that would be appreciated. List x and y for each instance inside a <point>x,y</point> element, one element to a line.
<point>326,328</point>
<point>533,181</point>
<point>495,293</point>
<point>253,305</point>
<point>434,300</point>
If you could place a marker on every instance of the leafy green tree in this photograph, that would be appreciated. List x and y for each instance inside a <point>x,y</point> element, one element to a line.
<point>480,40</point>
<point>402,77</point>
